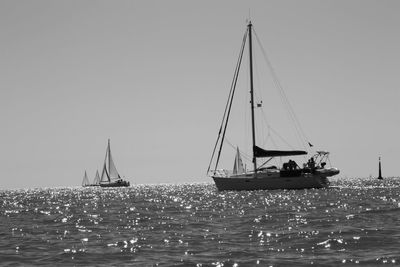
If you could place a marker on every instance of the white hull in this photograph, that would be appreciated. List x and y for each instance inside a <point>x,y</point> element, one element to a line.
<point>290,175</point>
<point>268,181</point>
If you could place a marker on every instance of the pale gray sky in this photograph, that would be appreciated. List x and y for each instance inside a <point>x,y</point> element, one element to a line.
<point>154,76</point>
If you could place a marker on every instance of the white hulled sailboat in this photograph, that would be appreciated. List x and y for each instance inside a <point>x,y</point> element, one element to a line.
<point>110,176</point>
<point>314,174</point>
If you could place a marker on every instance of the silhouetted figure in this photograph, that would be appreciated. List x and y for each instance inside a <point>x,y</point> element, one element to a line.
<point>311,163</point>
<point>293,164</point>
<point>285,166</point>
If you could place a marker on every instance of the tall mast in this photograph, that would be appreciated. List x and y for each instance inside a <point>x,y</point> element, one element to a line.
<point>252,98</point>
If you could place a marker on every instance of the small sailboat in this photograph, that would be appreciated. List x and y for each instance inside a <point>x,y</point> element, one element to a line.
<point>96,180</point>
<point>85,181</point>
<point>313,174</point>
<point>238,167</point>
<point>110,176</point>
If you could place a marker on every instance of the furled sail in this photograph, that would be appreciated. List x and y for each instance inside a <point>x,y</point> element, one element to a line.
<point>262,153</point>
<point>238,165</point>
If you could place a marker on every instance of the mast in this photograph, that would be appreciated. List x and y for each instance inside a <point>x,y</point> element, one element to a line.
<point>252,98</point>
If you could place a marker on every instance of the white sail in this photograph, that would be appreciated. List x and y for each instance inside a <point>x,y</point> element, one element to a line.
<point>109,170</point>
<point>85,180</point>
<point>104,174</point>
<point>238,165</point>
<point>96,180</point>
<point>110,176</point>
<point>112,170</point>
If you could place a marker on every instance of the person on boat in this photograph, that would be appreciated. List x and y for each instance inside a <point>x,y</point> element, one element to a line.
<point>292,165</point>
<point>311,163</point>
<point>285,166</point>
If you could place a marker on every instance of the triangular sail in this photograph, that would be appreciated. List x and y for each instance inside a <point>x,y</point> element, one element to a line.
<point>96,180</point>
<point>85,180</point>
<point>104,174</point>
<point>238,165</point>
<point>111,167</point>
<point>109,170</point>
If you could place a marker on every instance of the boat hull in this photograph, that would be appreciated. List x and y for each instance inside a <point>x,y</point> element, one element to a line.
<point>91,185</point>
<point>305,181</point>
<point>115,184</point>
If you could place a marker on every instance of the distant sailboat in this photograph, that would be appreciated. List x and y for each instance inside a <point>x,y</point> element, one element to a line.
<point>110,176</point>
<point>238,165</point>
<point>85,181</point>
<point>96,180</point>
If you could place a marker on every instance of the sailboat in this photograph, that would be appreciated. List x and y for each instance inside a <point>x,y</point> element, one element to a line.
<point>313,174</point>
<point>85,181</point>
<point>96,180</point>
<point>110,176</point>
<point>238,167</point>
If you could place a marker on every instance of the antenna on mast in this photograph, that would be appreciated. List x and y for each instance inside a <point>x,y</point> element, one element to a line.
<point>248,19</point>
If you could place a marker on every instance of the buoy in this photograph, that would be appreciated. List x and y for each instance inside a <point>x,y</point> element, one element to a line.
<point>380,171</point>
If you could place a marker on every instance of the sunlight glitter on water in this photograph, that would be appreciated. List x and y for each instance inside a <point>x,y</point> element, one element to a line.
<point>194,224</point>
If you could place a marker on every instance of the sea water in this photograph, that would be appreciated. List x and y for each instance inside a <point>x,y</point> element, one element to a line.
<point>355,223</point>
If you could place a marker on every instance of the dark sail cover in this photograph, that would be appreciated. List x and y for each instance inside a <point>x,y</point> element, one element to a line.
<point>262,153</point>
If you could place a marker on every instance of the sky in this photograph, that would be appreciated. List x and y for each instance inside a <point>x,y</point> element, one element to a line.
<point>154,76</point>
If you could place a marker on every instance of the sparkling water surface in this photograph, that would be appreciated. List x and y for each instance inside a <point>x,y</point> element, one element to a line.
<point>355,223</point>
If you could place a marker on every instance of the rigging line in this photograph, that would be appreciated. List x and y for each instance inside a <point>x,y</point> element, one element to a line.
<point>220,129</point>
<point>301,134</point>
<point>272,139</point>
<point>273,142</point>
<point>235,78</point>
<point>275,132</point>
<point>262,165</point>
<point>278,85</point>
<point>280,137</point>
<point>244,155</point>
<point>296,125</point>
<point>290,112</point>
<point>223,117</point>
<point>228,106</point>
<point>258,93</point>
<point>265,141</point>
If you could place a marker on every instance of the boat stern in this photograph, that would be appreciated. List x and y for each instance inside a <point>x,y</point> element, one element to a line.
<point>328,172</point>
